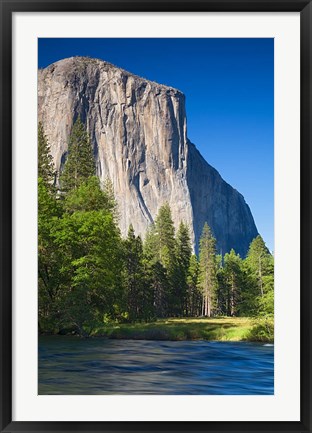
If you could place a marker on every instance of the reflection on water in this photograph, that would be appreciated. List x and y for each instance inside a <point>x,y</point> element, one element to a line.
<point>69,365</point>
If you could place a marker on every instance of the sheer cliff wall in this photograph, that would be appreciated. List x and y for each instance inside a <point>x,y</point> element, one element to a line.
<point>139,136</point>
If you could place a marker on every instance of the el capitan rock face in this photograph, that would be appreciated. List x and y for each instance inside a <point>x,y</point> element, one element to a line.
<point>138,131</point>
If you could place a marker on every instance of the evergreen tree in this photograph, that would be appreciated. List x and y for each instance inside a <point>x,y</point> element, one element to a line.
<point>164,230</point>
<point>258,288</point>
<point>207,270</point>
<point>134,276</point>
<point>80,259</point>
<point>111,203</point>
<point>79,165</point>
<point>50,258</point>
<point>258,261</point>
<point>45,161</point>
<point>233,279</point>
<point>90,242</point>
<point>194,294</point>
<point>158,284</point>
<point>266,302</point>
<point>156,273</point>
<point>166,252</point>
<point>222,289</point>
<point>183,254</point>
<point>90,197</point>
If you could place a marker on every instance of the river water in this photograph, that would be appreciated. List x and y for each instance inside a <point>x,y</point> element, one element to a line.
<point>69,365</point>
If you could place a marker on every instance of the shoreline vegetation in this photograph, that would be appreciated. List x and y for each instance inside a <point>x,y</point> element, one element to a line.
<point>94,282</point>
<point>233,329</point>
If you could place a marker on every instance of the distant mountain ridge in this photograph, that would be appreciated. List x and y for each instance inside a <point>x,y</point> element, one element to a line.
<point>139,135</point>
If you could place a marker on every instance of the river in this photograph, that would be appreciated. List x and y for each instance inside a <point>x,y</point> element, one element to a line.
<point>69,365</point>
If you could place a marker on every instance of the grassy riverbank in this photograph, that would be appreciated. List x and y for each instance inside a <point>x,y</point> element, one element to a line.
<point>213,329</point>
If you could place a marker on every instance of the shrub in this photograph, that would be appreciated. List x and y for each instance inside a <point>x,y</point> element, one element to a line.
<point>262,330</point>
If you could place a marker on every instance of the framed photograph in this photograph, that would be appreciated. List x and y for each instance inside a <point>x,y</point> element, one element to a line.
<point>155,216</point>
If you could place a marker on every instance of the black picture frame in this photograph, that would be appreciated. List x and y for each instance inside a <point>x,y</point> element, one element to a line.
<point>7,10</point>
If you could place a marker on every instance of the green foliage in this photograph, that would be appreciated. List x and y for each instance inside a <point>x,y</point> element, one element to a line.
<point>90,197</point>
<point>159,282</point>
<point>164,230</point>
<point>207,270</point>
<point>80,256</point>
<point>194,294</point>
<point>50,280</point>
<point>167,259</point>
<point>111,203</point>
<point>266,303</point>
<point>156,273</point>
<point>259,271</point>
<point>258,256</point>
<point>139,293</point>
<point>160,251</point>
<point>150,246</point>
<point>183,254</point>
<point>233,278</point>
<point>45,161</point>
<point>184,247</point>
<point>79,165</point>
<point>222,290</point>
<point>91,242</point>
<point>262,330</point>
<point>89,277</point>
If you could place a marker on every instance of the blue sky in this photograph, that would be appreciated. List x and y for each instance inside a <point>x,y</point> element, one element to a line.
<point>229,88</point>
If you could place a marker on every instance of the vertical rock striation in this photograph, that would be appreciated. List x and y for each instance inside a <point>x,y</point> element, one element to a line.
<point>138,131</point>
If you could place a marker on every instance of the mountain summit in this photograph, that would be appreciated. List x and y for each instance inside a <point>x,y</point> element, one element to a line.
<point>139,136</point>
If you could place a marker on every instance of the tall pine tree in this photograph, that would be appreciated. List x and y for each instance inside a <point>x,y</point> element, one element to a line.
<point>91,246</point>
<point>233,279</point>
<point>166,251</point>
<point>111,203</point>
<point>45,161</point>
<point>183,253</point>
<point>259,265</point>
<point>79,165</point>
<point>258,261</point>
<point>194,296</point>
<point>207,269</point>
<point>164,230</point>
<point>156,273</point>
<point>134,275</point>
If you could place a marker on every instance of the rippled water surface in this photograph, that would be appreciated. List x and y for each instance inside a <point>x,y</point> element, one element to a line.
<point>69,365</point>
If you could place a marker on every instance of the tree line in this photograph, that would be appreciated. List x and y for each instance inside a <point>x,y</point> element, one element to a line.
<point>88,274</point>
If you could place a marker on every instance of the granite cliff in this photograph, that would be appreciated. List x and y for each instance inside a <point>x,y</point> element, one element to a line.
<point>139,135</point>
